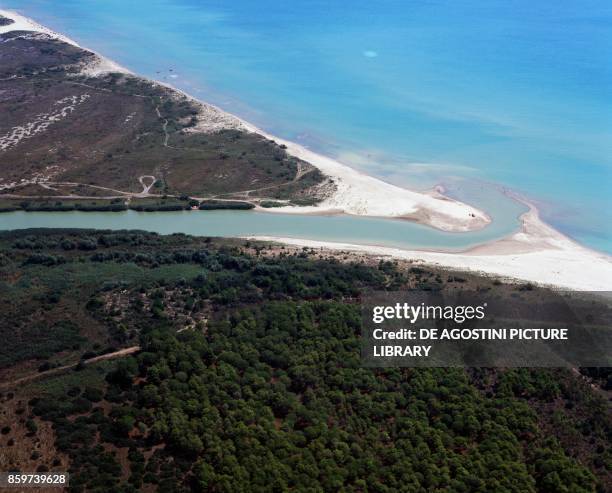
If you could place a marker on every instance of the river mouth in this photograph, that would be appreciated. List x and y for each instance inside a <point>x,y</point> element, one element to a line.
<point>419,96</point>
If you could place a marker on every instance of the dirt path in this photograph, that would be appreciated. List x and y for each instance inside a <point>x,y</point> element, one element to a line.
<point>300,172</point>
<point>103,89</point>
<point>49,185</point>
<point>164,126</point>
<point>75,184</point>
<point>54,371</point>
<point>145,187</point>
<point>80,197</point>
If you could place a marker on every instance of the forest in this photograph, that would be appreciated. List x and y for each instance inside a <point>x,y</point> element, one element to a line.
<point>246,376</point>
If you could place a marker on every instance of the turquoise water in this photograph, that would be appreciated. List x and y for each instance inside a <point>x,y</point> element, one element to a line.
<point>342,228</point>
<point>461,93</point>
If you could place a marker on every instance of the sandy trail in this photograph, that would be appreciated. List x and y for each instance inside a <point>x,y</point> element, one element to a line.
<point>145,187</point>
<point>164,126</point>
<point>60,369</point>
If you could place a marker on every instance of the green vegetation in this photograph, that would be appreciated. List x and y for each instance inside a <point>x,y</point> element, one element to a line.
<point>141,204</point>
<point>90,378</point>
<point>304,201</point>
<point>207,205</point>
<point>151,204</point>
<point>8,205</point>
<point>56,205</point>
<point>271,203</point>
<point>40,342</point>
<point>5,21</point>
<point>269,402</point>
<point>249,377</point>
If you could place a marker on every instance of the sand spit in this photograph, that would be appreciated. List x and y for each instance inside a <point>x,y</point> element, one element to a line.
<point>537,253</point>
<point>362,195</point>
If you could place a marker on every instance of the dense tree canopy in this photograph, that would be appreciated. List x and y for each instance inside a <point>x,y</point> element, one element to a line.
<point>265,390</point>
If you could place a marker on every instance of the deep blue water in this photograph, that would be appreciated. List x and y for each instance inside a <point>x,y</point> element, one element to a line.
<point>514,92</point>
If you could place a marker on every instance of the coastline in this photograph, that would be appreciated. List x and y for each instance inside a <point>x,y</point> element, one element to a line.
<point>537,253</point>
<point>355,193</point>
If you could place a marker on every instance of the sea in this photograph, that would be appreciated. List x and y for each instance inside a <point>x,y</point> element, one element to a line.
<point>479,96</point>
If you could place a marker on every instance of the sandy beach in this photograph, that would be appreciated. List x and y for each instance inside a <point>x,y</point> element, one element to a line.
<point>537,253</point>
<point>363,195</point>
<point>21,23</point>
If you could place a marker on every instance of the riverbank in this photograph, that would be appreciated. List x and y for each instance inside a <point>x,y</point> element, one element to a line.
<point>352,192</point>
<point>536,254</point>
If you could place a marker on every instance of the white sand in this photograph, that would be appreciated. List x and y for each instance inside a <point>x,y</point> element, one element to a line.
<point>100,65</point>
<point>22,23</point>
<point>537,254</point>
<point>355,193</point>
<point>363,195</point>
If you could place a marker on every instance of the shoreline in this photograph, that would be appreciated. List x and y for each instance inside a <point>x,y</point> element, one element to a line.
<point>535,253</point>
<point>355,193</point>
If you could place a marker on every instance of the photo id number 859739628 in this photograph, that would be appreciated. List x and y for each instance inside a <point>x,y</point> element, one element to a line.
<point>35,479</point>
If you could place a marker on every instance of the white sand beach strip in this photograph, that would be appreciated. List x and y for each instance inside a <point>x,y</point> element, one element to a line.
<point>537,254</point>
<point>21,23</point>
<point>359,194</point>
